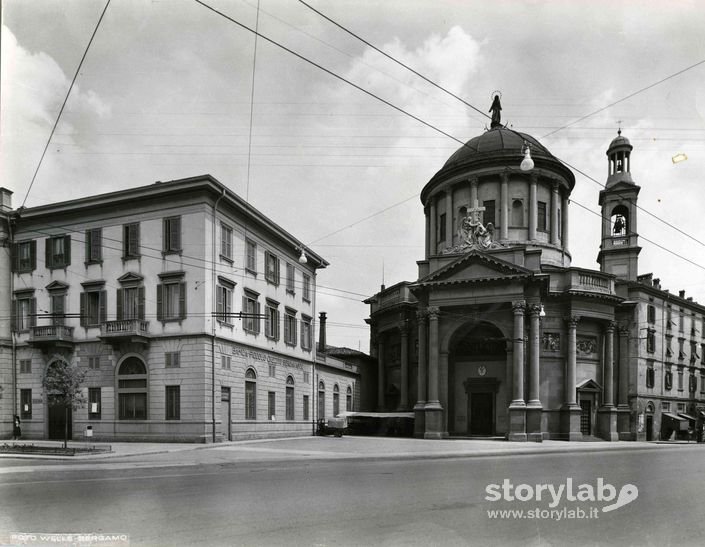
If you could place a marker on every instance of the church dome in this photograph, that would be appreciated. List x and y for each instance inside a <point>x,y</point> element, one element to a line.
<point>498,142</point>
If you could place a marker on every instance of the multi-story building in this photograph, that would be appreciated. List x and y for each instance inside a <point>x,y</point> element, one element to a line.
<point>501,335</point>
<point>191,312</point>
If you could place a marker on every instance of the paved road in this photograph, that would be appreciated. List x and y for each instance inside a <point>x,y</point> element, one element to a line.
<point>164,500</point>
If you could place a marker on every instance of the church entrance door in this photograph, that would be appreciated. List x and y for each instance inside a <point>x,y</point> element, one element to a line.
<point>481,412</point>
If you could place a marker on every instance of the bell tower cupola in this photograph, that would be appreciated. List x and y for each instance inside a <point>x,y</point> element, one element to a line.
<point>619,248</point>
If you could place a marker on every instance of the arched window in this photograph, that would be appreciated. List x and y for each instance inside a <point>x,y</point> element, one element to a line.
<point>289,398</point>
<point>620,221</point>
<point>348,400</point>
<point>132,390</point>
<point>336,400</point>
<point>250,395</point>
<point>321,400</point>
<point>517,213</point>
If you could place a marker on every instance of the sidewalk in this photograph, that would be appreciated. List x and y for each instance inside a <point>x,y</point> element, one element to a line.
<point>348,447</point>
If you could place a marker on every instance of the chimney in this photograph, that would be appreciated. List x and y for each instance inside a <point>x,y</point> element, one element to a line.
<point>657,283</point>
<point>5,200</point>
<point>322,332</point>
<point>681,294</point>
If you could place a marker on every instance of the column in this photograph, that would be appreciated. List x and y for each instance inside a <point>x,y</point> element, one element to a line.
<point>534,347</point>
<point>419,413</point>
<point>504,207</point>
<point>428,231</point>
<point>473,191</point>
<point>564,218</point>
<point>404,397</point>
<point>534,409</point>
<point>554,213</point>
<point>449,218</point>
<point>570,412</point>
<point>517,408</point>
<point>432,229</point>
<point>623,366</point>
<point>380,373</point>
<point>533,207</point>
<point>607,414</point>
<point>433,408</point>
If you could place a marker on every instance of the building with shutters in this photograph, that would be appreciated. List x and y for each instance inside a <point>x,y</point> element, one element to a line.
<point>189,310</point>
<point>501,336</point>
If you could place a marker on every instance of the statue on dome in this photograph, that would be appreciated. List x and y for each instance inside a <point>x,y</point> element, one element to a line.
<point>496,108</point>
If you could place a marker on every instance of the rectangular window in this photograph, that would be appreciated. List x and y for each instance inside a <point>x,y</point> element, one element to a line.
<point>666,406</point>
<point>272,371</point>
<point>250,400</point>
<point>94,246</point>
<point>250,311</point>
<point>307,377</point>
<point>173,402</point>
<point>226,242</point>
<point>650,376</point>
<point>94,403</point>
<point>681,321</point>
<point>26,404</point>
<point>130,303</point>
<point>305,407</point>
<point>651,314</point>
<point>271,321</point>
<point>94,362</point>
<point>272,405</point>
<point>224,304</point>
<point>650,341</point>
<point>680,379</point>
<point>131,240</point>
<point>290,278</point>
<point>336,403</point>
<point>669,318</point>
<point>24,256</point>
<point>133,406</point>
<point>171,301</point>
<point>348,402</point>
<point>25,313</point>
<point>93,311</point>
<point>489,214</point>
<point>25,366</point>
<point>172,359</point>
<point>442,227</point>
<point>541,219</point>
<point>271,265</point>
<point>307,288</point>
<point>290,327</point>
<point>306,333</point>
<point>58,252</point>
<point>58,308</point>
<point>681,407</point>
<point>251,256</point>
<point>226,361</point>
<point>289,403</point>
<point>171,235</point>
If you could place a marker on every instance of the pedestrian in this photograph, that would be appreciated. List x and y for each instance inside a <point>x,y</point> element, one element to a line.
<point>16,430</point>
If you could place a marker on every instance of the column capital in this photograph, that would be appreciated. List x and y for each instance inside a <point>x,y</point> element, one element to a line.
<point>623,329</point>
<point>572,320</point>
<point>534,178</point>
<point>422,316</point>
<point>535,310</point>
<point>554,184</point>
<point>403,327</point>
<point>473,180</point>
<point>433,312</point>
<point>610,326</point>
<point>519,307</point>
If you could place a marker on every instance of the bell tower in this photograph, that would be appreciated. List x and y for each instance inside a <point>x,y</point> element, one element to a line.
<point>619,248</point>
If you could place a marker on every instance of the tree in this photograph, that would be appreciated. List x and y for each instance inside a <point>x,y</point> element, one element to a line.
<point>62,385</point>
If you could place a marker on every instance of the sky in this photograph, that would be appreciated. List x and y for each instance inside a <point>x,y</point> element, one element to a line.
<point>169,89</point>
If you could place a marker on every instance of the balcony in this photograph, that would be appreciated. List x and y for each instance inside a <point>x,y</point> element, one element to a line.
<point>125,331</point>
<point>584,281</point>
<point>51,336</point>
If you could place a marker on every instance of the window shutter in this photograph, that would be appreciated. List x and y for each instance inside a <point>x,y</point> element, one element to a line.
<point>120,298</point>
<point>33,312</point>
<point>33,254</point>
<point>140,303</point>
<point>15,257</point>
<point>219,305</point>
<point>175,226</point>
<point>135,240</point>
<point>245,322</point>
<point>257,312</point>
<point>303,342</point>
<point>160,302</point>
<point>98,244</point>
<point>48,255</point>
<point>13,318</point>
<point>102,306</point>
<point>82,311</point>
<point>125,240</point>
<point>228,305</point>
<point>67,250</point>
<point>287,336</point>
<point>165,234</point>
<point>88,246</point>
<point>182,300</point>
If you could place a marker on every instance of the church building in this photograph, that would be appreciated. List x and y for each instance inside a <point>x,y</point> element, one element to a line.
<point>501,336</point>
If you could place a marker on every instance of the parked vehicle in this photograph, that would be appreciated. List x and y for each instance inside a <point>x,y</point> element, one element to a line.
<point>332,426</point>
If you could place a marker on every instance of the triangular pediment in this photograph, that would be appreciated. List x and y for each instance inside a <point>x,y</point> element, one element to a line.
<point>57,286</point>
<point>589,385</point>
<point>476,266</point>
<point>130,277</point>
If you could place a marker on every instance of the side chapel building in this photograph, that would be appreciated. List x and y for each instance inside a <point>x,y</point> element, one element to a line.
<point>501,336</point>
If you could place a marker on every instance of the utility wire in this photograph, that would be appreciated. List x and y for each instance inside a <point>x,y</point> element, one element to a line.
<point>61,110</point>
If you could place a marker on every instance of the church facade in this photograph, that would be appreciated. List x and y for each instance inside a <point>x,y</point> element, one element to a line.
<point>501,336</point>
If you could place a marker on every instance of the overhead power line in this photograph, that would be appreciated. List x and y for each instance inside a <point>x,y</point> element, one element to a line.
<point>61,110</point>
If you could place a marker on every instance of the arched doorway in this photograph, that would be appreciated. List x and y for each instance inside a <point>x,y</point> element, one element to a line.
<point>60,415</point>
<point>477,398</point>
